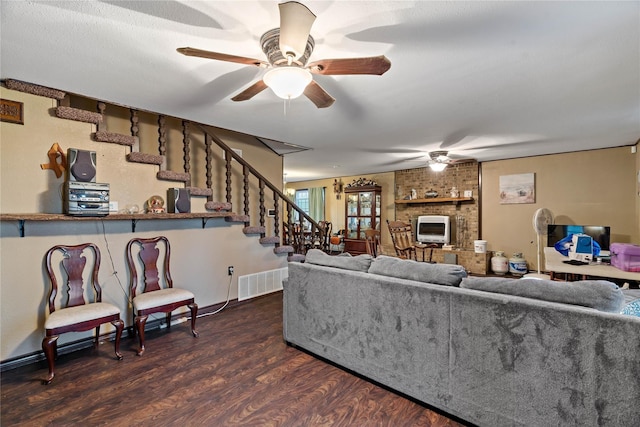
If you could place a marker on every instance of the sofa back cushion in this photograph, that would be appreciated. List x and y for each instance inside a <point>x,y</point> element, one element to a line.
<point>344,261</point>
<point>439,274</point>
<point>599,294</point>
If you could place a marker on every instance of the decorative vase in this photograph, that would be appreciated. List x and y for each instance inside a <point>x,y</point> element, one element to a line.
<point>517,265</point>
<point>499,263</point>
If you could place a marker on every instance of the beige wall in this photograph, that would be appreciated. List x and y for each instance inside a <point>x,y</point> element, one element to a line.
<point>199,256</point>
<point>595,187</point>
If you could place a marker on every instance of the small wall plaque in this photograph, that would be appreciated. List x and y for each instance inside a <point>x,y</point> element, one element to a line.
<point>11,111</point>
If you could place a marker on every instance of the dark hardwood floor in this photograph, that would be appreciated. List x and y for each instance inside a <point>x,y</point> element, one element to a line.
<point>238,372</point>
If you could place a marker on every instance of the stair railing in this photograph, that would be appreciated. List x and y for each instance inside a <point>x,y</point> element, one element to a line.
<point>289,208</point>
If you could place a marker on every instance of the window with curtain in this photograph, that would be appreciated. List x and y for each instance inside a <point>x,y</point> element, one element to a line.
<point>311,201</point>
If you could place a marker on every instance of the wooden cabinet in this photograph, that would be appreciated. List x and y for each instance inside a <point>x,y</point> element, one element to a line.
<point>363,206</point>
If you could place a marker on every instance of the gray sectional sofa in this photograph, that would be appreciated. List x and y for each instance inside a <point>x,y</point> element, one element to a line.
<point>490,351</point>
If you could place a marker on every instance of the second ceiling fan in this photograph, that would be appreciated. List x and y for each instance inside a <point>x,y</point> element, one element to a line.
<point>288,49</point>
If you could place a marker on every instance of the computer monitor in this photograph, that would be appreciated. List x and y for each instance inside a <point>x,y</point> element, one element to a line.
<point>600,234</point>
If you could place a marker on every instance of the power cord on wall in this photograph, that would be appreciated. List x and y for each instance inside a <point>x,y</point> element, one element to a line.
<point>225,304</point>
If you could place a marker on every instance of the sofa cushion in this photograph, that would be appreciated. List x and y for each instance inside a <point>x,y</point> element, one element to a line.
<point>344,261</point>
<point>599,294</point>
<point>439,274</point>
<point>631,305</point>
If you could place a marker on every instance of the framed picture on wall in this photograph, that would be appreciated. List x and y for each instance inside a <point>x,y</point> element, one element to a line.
<point>520,188</point>
<point>11,111</point>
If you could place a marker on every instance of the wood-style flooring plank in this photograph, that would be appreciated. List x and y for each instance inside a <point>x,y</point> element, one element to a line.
<point>238,372</point>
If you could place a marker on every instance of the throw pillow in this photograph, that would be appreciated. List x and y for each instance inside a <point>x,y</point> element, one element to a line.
<point>631,302</point>
<point>599,294</point>
<point>346,261</point>
<point>438,274</point>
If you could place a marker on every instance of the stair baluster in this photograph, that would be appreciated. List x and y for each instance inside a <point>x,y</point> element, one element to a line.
<point>228,174</point>
<point>208,159</point>
<point>261,199</point>
<point>186,141</point>
<point>101,126</point>
<point>134,123</point>
<point>245,186</point>
<point>162,135</point>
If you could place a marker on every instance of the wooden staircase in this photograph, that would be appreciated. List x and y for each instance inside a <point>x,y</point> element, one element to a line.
<point>281,244</point>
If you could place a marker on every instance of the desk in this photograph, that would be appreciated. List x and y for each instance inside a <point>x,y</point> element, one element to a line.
<point>553,264</point>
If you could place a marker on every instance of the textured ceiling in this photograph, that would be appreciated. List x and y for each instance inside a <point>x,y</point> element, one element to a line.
<point>487,80</point>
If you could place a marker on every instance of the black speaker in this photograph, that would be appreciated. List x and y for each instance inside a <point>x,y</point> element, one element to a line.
<point>178,200</point>
<point>81,165</point>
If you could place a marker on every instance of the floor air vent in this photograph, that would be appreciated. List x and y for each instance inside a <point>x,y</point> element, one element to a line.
<point>265,282</point>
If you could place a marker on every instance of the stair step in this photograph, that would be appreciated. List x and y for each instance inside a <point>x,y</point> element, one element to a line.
<point>284,249</point>
<point>296,258</point>
<point>237,218</point>
<point>173,176</point>
<point>150,159</point>
<point>254,230</point>
<point>34,89</point>
<point>78,115</point>
<point>218,206</point>
<point>115,138</point>
<point>270,240</point>
<point>200,192</point>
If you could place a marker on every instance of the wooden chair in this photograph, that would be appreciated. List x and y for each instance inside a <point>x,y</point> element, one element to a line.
<point>372,241</point>
<point>155,295</point>
<point>324,236</point>
<point>73,313</point>
<point>423,248</point>
<point>402,239</point>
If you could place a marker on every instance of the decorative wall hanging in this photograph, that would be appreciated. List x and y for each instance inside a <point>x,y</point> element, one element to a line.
<point>55,153</point>
<point>518,188</point>
<point>361,182</point>
<point>337,188</point>
<point>11,111</point>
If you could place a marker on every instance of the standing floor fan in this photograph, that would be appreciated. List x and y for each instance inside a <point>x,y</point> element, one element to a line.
<point>541,218</point>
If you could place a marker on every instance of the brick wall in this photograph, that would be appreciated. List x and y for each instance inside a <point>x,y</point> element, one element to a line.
<point>463,176</point>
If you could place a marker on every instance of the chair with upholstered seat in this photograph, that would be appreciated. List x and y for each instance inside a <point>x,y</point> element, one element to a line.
<point>372,241</point>
<point>402,239</point>
<point>156,293</point>
<point>72,312</point>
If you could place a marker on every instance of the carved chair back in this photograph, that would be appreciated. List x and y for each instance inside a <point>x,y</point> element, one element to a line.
<point>372,240</point>
<point>74,263</point>
<point>154,264</point>
<point>402,238</point>
<point>324,236</point>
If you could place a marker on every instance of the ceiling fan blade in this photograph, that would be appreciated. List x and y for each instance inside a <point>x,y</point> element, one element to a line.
<point>377,65</point>
<point>295,24</point>
<point>456,161</point>
<point>251,91</point>
<point>318,96</point>
<point>190,51</point>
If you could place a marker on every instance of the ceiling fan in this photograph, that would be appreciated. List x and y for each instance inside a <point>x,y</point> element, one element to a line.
<point>438,160</point>
<point>288,49</point>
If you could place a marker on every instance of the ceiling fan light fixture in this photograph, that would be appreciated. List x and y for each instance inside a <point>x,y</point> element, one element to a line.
<point>437,166</point>
<point>287,82</point>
